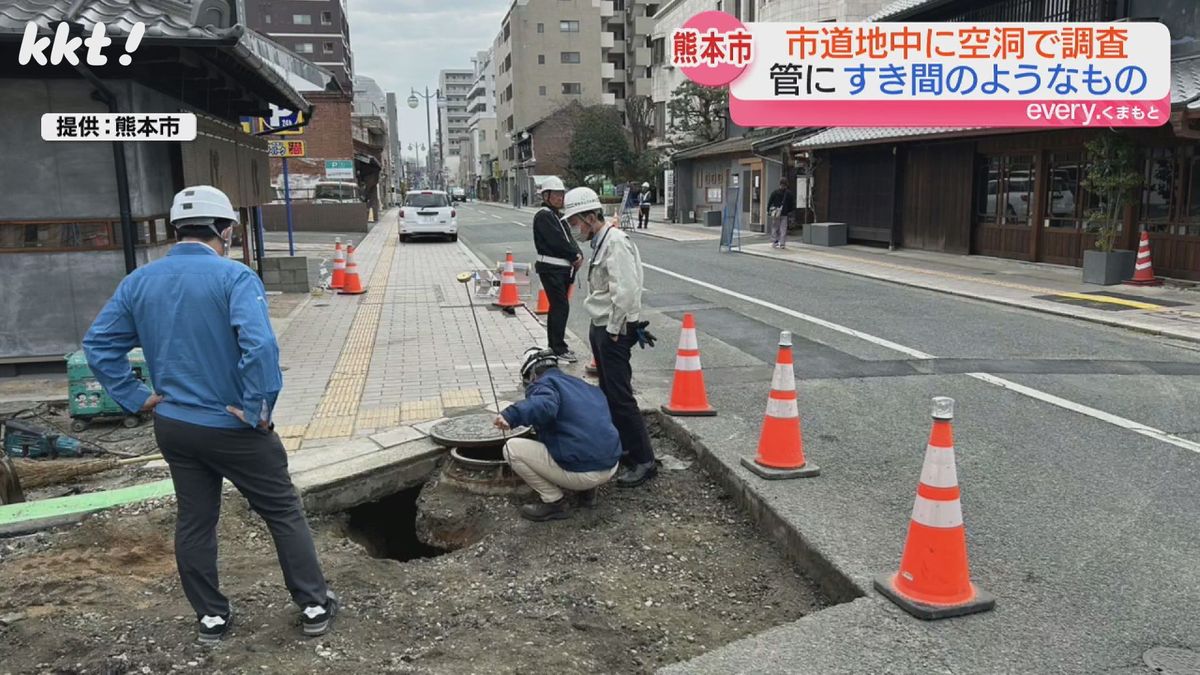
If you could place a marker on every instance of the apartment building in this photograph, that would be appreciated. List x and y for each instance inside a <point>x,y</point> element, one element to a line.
<point>548,54</point>
<point>315,29</point>
<point>629,56</point>
<point>479,152</point>
<point>454,85</point>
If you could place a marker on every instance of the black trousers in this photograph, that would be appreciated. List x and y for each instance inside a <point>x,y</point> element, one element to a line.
<point>556,285</point>
<point>616,381</point>
<point>644,217</point>
<point>256,464</point>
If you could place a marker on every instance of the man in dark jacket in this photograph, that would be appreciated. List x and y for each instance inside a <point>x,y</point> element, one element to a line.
<point>558,258</point>
<point>577,448</point>
<point>780,205</point>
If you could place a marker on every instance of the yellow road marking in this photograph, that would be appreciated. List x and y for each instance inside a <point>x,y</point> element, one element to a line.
<point>1150,307</point>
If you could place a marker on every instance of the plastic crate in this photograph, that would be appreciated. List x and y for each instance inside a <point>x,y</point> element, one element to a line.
<point>86,398</point>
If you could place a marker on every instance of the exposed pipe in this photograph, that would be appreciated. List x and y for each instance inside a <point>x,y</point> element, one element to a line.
<point>105,95</point>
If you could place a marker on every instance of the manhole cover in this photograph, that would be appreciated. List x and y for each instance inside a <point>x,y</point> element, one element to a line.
<point>472,431</point>
<point>1173,661</point>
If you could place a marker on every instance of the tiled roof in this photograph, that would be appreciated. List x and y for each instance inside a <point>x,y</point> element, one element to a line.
<point>1185,82</point>
<point>723,147</point>
<point>838,136</point>
<point>901,8</point>
<point>163,18</point>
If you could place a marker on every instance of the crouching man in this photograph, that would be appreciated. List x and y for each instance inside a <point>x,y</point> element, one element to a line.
<point>578,447</point>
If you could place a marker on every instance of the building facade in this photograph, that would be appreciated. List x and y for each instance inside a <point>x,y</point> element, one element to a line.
<point>454,86</point>
<point>548,54</point>
<point>318,30</point>
<point>1018,194</point>
<point>480,160</point>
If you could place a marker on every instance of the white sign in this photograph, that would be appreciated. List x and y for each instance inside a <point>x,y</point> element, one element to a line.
<point>339,169</point>
<point>669,188</point>
<point>802,183</point>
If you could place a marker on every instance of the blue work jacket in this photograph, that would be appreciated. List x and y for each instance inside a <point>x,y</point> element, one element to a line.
<point>202,322</point>
<point>571,418</point>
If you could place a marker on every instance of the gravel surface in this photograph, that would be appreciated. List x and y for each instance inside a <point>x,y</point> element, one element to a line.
<point>649,577</point>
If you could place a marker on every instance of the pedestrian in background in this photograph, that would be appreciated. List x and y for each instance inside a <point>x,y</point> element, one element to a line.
<point>558,258</point>
<point>614,304</point>
<point>644,202</point>
<point>780,205</point>
<point>202,322</point>
<point>578,447</point>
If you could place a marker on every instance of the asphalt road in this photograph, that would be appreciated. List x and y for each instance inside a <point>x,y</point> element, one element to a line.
<point>1077,450</point>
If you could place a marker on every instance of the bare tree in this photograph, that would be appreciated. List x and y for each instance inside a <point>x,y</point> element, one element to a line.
<point>639,113</point>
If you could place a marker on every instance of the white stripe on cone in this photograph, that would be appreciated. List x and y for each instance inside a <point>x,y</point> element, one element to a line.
<point>933,513</point>
<point>781,409</point>
<point>938,470</point>
<point>687,363</point>
<point>1143,266</point>
<point>784,378</point>
<point>687,339</point>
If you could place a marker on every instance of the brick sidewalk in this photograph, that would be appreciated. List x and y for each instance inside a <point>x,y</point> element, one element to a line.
<point>404,352</point>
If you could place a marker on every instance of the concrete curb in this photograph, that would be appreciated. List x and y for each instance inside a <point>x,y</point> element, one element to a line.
<point>836,584</point>
<point>1044,308</point>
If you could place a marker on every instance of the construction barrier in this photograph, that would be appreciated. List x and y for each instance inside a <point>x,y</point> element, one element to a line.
<point>934,580</point>
<point>780,445</point>
<point>688,397</point>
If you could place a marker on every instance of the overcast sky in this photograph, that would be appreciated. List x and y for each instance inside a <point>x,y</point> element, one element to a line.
<point>403,44</point>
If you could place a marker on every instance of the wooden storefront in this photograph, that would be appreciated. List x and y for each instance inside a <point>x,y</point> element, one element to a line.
<point>1012,195</point>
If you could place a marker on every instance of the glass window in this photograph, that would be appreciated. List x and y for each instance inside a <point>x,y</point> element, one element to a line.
<point>541,59</point>
<point>327,18</point>
<point>56,236</point>
<point>426,200</point>
<point>302,19</point>
<point>568,26</point>
<point>569,57</point>
<point>541,91</point>
<point>327,47</point>
<point>572,88</point>
<point>1019,178</point>
<point>987,185</point>
<point>304,47</point>
<point>266,18</point>
<point>1065,203</point>
<point>541,28</point>
<point>1159,187</point>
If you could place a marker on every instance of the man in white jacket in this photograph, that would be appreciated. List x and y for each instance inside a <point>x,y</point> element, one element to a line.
<point>614,303</point>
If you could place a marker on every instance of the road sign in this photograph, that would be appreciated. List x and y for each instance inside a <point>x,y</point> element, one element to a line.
<point>339,169</point>
<point>282,117</point>
<point>285,148</point>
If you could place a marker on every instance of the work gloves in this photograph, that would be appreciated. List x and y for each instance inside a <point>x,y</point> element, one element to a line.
<point>644,336</point>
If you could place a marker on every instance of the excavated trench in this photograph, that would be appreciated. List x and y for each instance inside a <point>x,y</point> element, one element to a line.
<point>387,528</point>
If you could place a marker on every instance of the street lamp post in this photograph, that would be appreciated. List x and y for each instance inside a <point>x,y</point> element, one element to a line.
<point>413,102</point>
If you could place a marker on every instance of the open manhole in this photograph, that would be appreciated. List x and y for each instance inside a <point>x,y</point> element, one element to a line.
<point>1172,661</point>
<point>388,528</point>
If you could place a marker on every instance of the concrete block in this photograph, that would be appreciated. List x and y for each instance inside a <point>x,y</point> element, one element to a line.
<point>270,276</point>
<point>397,436</point>
<point>369,477</point>
<point>826,234</point>
<point>309,457</point>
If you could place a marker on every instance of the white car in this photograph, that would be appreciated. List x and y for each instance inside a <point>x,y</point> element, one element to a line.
<point>428,213</point>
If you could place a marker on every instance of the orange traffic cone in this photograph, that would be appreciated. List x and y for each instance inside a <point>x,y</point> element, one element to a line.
<point>339,265</point>
<point>1143,271</point>
<point>592,369</point>
<point>933,581</point>
<point>688,397</point>
<point>353,282</point>
<point>543,306</point>
<point>508,285</point>
<point>780,446</point>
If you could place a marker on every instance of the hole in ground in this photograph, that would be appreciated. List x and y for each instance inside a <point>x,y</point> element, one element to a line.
<point>388,528</point>
<point>491,453</point>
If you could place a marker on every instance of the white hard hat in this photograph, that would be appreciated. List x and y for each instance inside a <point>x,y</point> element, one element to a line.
<point>204,204</point>
<point>580,200</point>
<point>535,358</point>
<point>552,184</point>
<point>645,185</point>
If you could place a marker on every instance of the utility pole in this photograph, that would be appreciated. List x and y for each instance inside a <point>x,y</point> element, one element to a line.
<point>413,102</point>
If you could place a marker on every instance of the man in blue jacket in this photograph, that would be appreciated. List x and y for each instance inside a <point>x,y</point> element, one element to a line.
<point>577,448</point>
<point>202,322</point>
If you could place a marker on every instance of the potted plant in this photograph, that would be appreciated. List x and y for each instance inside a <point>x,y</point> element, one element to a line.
<point>1111,177</point>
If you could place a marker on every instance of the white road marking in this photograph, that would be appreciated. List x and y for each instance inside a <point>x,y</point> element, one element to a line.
<point>517,222</point>
<point>1115,420</point>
